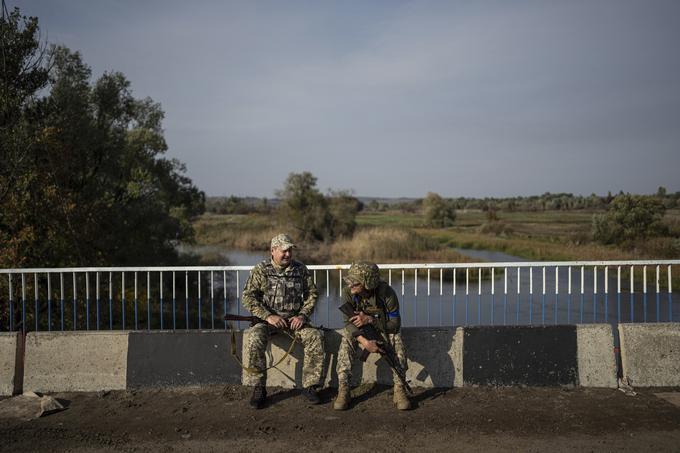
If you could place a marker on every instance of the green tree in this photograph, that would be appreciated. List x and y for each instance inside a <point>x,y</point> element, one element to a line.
<point>88,184</point>
<point>305,208</point>
<point>314,216</point>
<point>344,208</point>
<point>24,72</point>
<point>629,218</point>
<point>439,212</point>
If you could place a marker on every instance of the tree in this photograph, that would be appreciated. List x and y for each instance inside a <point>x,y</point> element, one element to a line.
<point>629,218</point>
<point>439,212</point>
<point>344,208</point>
<point>304,207</point>
<point>24,72</point>
<point>89,185</point>
<point>314,216</point>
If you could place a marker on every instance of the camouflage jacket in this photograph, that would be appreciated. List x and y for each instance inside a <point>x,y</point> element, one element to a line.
<point>285,292</point>
<point>382,304</point>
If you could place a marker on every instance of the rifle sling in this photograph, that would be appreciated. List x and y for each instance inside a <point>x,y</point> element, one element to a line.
<point>252,370</point>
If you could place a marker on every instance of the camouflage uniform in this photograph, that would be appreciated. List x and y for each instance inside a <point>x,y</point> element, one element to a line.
<point>286,292</point>
<point>382,303</point>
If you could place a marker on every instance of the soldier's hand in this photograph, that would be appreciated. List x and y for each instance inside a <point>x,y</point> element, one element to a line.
<point>277,321</point>
<point>360,319</point>
<point>297,322</point>
<point>371,346</point>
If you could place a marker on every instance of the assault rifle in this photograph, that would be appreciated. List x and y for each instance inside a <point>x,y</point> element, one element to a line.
<point>389,354</point>
<point>255,320</point>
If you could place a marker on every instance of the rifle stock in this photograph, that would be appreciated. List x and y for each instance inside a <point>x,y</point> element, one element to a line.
<point>251,319</point>
<point>372,334</point>
<point>255,320</point>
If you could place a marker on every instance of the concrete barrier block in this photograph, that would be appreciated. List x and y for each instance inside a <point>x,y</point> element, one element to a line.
<point>595,355</point>
<point>650,354</point>
<point>434,357</point>
<point>76,361</point>
<point>9,344</point>
<point>520,355</point>
<point>288,373</point>
<point>168,359</point>
<point>434,360</point>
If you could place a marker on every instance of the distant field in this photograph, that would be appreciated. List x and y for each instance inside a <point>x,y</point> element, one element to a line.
<point>539,235</point>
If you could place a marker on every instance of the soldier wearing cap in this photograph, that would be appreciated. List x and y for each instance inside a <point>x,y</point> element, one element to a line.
<point>281,291</point>
<point>376,303</point>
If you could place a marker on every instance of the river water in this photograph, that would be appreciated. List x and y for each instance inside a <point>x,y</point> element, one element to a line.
<point>512,296</point>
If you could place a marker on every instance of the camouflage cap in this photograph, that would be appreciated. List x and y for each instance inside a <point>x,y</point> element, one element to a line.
<point>282,241</point>
<point>363,272</point>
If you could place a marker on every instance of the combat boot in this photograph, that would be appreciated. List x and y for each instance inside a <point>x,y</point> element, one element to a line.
<point>259,396</point>
<point>342,401</point>
<point>312,394</point>
<point>400,398</point>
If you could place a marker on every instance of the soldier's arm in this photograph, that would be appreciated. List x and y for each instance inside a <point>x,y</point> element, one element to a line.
<point>253,291</point>
<point>311,294</point>
<point>351,328</point>
<point>393,321</point>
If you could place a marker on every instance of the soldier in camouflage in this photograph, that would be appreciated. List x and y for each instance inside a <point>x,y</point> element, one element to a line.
<point>376,303</point>
<point>282,293</point>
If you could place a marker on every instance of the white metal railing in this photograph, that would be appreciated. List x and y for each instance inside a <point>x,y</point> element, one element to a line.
<point>431,294</point>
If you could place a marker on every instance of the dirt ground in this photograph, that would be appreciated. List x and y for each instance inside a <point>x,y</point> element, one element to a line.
<point>470,419</point>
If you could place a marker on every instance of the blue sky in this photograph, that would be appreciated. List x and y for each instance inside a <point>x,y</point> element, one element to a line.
<point>399,98</point>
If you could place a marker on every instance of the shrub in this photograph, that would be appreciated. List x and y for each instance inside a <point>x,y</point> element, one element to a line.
<point>629,218</point>
<point>439,212</point>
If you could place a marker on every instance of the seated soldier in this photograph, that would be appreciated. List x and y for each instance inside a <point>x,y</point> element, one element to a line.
<point>375,303</point>
<point>282,293</point>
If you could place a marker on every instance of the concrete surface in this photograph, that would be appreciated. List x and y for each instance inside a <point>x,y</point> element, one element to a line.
<point>520,355</point>
<point>435,356</point>
<point>76,361</point>
<point>8,362</point>
<point>650,354</point>
<point>595,355</point>
<point>162,359</point>
<point>438,357</point>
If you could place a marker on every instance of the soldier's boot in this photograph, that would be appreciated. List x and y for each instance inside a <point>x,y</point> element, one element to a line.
<point>400,398</point>
<point>259,396</point>
<point>342,401</point>
<point>312,394</point>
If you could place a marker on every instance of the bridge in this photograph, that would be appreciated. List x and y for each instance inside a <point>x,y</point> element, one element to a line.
<point>573,323</point>
<point>432,294</point>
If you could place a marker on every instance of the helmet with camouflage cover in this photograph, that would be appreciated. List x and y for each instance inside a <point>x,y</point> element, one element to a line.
<point>364,272</point>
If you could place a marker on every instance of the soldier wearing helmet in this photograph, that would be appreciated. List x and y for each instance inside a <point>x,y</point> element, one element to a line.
<point>282,293</point>
<point>376,303</point>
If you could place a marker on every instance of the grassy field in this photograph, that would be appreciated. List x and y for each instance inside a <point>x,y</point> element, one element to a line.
<point>394,236</point>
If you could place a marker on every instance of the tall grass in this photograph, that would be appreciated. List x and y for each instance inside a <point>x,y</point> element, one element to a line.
<point>393,245</point>
<point>244,232</point>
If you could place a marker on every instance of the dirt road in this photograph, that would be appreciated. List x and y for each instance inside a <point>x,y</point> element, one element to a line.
<point>471,419</point>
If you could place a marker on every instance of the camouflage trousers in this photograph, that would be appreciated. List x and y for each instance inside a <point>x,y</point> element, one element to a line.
<point>312,343</point>
<point>348,353</point>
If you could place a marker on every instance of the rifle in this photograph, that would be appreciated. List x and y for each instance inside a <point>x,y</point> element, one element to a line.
<point>389,354</point>
<point>255,320</point>
<point>252,319</point>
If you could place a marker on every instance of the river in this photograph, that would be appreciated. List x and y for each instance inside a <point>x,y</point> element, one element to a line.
<point>438,302</point>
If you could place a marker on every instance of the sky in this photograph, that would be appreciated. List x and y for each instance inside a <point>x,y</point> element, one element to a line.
<point>398,98</point>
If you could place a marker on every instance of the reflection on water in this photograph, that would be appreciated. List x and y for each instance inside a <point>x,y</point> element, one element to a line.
<point>490,256</point>
<point>512,296</point>
<point>230,257</point>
